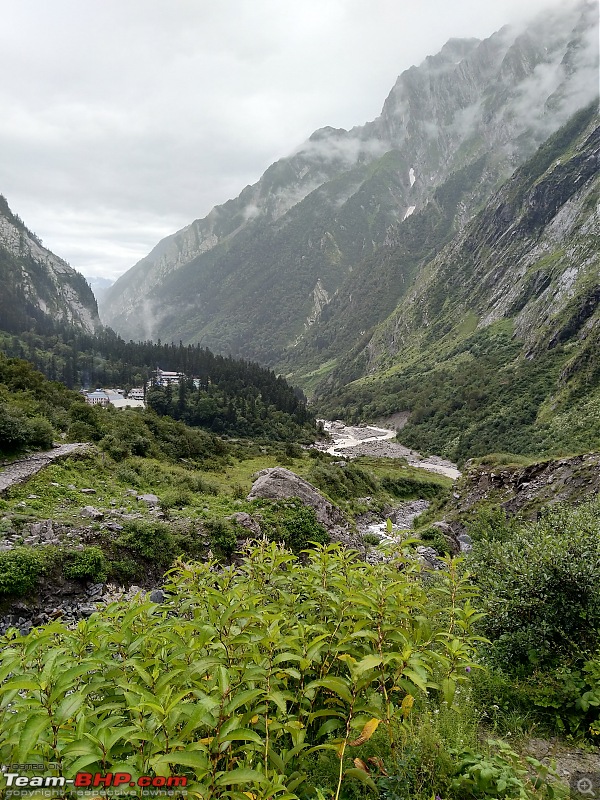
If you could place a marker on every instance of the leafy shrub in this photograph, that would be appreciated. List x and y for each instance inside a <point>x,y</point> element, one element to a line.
<point>82,432</point>
<point>242,675</point>
<point>541,589</point>
<point>223,538</point>
<point>372,538</point>
<point>501,774</point>
<point>40,433</point>
<point>342,482</point>
<point>125,569</point>
<point>433,537</point>
<point>291,522</point>
<point>405,487</point>
<point>151,540</point>
<point>20,569</point>
<point>175,498</point>
<point>87,564</point>
<point>491,524</point>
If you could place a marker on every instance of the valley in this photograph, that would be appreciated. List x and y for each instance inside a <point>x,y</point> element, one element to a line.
<point>347,546</point>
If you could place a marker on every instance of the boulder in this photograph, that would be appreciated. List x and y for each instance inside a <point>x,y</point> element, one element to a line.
<point>278,483</point>
<point>91,512</point>
<point>246,521</point>
<point>149,499</point>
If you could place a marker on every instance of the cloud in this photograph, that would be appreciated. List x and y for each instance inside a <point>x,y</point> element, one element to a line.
<point>125,121</point>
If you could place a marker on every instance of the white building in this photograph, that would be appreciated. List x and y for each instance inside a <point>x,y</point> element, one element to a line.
<point>97,398</point>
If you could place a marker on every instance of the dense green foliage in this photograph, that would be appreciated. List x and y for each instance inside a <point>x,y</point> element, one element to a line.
<point>34,410</point>
<point>292,523</point>
<point>237,410</point>
<point>540,590</point>
<point>483,398</point>
<point>226,687</point>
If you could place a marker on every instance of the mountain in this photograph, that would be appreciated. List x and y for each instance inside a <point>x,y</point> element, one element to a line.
<point>261,275</point>
<point>99,286</point>
<point>39,289</point>
<point>496,344</point>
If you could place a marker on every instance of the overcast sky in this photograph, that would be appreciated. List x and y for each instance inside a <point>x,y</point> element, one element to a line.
<point>124,120</point>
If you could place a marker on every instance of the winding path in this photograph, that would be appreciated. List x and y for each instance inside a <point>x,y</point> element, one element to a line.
<point>16,472</point>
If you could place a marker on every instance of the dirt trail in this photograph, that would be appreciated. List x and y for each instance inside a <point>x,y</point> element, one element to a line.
<point>19,471</point>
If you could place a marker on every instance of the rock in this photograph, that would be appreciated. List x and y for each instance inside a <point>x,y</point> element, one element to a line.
<point>86,611</point>
<point>113,526</point>
<point>157,596</point>
<point>448,533</point>
<point>430,558</point>
<point>465,542</point>
<point>88,491</point>
<point>404,515</point>
<point>91,512</point>
<point>33,497</point>
<point>246,521</point>
<point>149,499</point>
<point>278,483</point>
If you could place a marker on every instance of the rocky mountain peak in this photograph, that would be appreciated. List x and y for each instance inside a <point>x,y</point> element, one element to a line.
<point>36,284</point>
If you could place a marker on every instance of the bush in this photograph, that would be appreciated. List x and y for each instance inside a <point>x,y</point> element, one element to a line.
<point>259,668</point>
<point>434,537</point>
<point>40,433</point>
<point>405,488</point>
<point>223,538</point>
<point>20,569</point>
<point>87,564</point>
<point>175,498</point>
<point>541,589</point>
<point>342,482</point>
<point>151,540</point>
<point>291,522</point>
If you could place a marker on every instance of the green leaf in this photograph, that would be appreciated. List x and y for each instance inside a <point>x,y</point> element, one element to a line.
<point>240,776</point>
<point>69,707</point>
<point>19,683</point>
<point>242,698</point>
<point>30,735</point>
<point>196,759</point>
<point>367,663</point>
<point>336,685</point>
<point>448,686</point>
<point>415,678</point>
<point>361,776</point>
<point>241,735</point>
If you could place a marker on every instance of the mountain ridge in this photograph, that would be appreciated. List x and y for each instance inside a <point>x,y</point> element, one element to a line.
<point>39,288</point>
<point>341,192</point>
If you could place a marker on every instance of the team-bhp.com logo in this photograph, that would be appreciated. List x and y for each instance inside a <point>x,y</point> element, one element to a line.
<point>92,780</point>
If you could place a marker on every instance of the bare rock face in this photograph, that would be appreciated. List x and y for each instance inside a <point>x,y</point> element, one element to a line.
<point>278,483</point>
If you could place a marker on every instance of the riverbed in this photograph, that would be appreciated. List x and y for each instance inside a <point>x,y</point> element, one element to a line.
<point>351,441</point>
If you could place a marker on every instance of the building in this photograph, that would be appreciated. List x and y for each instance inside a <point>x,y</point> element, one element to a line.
<point>97,398</point>
<point>136,394</point>
<point>164,378</point>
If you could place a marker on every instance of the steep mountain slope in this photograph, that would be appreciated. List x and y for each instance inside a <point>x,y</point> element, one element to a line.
<point>38,288</point>
<point>496,345</point>
<point>260,271</point>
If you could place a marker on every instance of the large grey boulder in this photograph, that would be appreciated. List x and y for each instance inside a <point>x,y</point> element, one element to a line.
<point>278,483</point>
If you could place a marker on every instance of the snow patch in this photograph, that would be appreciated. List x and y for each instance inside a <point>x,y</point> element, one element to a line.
<point>410,210</point>
<point>411,176</point>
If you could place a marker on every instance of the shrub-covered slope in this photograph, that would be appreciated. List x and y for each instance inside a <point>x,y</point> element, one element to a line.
<point>495,347</point>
